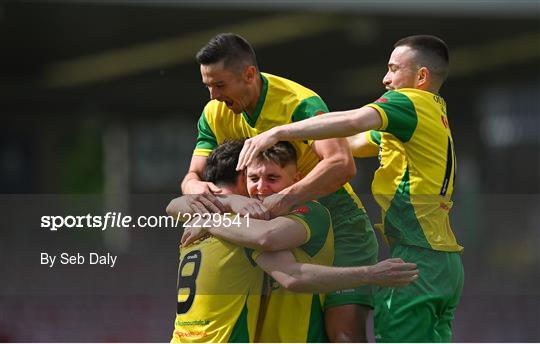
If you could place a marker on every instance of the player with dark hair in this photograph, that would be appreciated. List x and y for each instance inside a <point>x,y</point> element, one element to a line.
<point>413,184</point>
<point>222,281</point>
<point>245,102</point>
<point>217,170</point>
<point>234,51</point>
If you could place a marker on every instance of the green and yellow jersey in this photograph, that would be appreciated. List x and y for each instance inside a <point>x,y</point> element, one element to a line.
<point>281,102</point>
<point>219,293</point>
<point>296,317</point>
<point>415,180</point>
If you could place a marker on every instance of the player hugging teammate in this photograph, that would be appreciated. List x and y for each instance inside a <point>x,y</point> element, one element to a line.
<point>295,238</point>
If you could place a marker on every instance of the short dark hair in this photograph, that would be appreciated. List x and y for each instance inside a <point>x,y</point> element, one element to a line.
<point>235,52</point>
<point>282,153</point>
<point>431,52</point>
<point>221,164</point>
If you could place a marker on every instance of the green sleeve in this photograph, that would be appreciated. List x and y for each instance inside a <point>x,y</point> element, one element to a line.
<point>317,220</point>
<point>206,138</point>
<point>401,114</point>
<point>375,137</point>
<point>309,107</point>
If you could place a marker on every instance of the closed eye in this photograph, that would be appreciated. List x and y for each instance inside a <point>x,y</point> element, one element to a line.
<point>216,85</point>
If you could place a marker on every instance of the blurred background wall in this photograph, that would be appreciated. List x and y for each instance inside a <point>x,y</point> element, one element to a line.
<point>99,103</point>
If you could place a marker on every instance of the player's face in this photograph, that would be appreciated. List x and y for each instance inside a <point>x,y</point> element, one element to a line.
<point>402,71</point>
<point>227,86</point>
<point>267,178</point>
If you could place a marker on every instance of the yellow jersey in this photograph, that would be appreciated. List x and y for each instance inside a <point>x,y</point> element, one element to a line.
<point>282,101</point>
<point>219,292</point>
<point>415,180</point>
<point>296,317</point>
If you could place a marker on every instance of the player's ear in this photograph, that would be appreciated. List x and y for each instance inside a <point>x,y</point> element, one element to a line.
<point>242,174</point>
<point>250,72</point>
<point>241,179</point>
<point>422,76</point>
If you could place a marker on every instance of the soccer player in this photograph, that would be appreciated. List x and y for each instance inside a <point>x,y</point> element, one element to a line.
<point>218,275</point>
<point>245,102</point>
<point>219,293</point>
<point>413,185</point>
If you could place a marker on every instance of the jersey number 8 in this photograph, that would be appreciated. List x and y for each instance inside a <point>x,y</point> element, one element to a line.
<point>188,282</point>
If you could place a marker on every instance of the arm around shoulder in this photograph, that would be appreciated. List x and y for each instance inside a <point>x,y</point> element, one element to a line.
<point>277,234</point>
<point>311,278</point>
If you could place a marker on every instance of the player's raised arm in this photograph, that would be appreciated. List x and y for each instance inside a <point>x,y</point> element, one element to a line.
<point>193,183</point>
<point>311,278</point>
<point>329,125</point>
<point>334,169</point>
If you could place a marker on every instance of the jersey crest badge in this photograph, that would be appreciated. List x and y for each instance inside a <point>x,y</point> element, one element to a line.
<point>301,210</point>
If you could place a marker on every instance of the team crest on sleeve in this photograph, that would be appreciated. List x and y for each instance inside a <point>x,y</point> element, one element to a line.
<point>319,113</point>
<point>381,100</point>
<point>301,210</point>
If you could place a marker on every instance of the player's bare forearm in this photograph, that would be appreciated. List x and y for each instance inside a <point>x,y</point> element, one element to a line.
<point>318,183</point>
<point>335,169</point>
<point>330,125</point>
<point>248,233</point>
<point>196,204</point>
<point>189,178</point>
<point>277,234</point>
<point>308,278</point>
<point>194,185</point>
<point>177,207</point>
<point>326,126</point>
<point>193,182</point>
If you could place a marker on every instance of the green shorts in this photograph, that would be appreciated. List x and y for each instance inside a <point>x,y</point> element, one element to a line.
<point>355,244</point>
<point>422,311</point>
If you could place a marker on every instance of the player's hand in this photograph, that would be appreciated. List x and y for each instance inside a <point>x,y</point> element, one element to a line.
<point>192,234</point>
<point>279,204</point>
<point>245,205</point>
<point>205,203</point>
<point>393,272</point>
<point>195,187</point>
<point>255,145</point>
